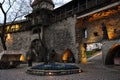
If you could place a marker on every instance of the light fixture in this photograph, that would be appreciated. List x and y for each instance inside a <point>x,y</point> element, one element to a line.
<point>50,73</point>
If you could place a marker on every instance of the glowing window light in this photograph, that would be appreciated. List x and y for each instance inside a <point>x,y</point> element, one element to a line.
<point>83,54</point>
<point>50,73</point>
<point>103,14</point>
<point>9,38</point>
<point>22,58</point>
<point>17,27</point>
<point>111,35</point>
<point>66,55</point>
<point>13,28</point>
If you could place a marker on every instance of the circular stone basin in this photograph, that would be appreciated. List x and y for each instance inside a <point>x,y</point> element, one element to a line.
<point>54,69</point>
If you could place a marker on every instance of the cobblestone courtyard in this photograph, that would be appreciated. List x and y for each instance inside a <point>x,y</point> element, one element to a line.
<point>92,71</point>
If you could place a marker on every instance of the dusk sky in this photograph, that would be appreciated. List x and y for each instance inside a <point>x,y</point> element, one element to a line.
<point>56,2</point>
<point>60,2</point>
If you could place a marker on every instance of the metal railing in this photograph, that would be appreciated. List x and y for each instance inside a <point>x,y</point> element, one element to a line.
<point>80,8</point>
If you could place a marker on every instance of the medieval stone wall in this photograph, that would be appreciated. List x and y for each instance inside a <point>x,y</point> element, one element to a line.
<point>61,35</point>
<point>94,29</point>
<point>19,41</point>
<point>95,33</point>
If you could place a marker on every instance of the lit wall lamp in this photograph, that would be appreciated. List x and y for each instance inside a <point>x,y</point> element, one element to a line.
<point>9,38</point>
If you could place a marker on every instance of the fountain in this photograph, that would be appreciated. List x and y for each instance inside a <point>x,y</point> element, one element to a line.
<point>51,68</point>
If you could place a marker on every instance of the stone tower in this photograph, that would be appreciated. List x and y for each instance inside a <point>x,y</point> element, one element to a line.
<point>40,18</point>
<point>42,12</point>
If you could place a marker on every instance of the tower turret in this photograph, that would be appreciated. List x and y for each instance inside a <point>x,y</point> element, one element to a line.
<point>42,12</point>
<point>40,18</point>
<point>43,4</point>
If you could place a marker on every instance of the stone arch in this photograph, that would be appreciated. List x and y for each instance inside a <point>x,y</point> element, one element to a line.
<point>113,51</point>
<point>38,50</point>
<point>68,56</point>
<point>36,30</point>
<point>34,49</point>
<point>35,42</point>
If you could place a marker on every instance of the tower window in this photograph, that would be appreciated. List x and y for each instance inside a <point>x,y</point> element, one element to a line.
<point>115,30</point>
<point>95,33</point>
<point>36,30</point>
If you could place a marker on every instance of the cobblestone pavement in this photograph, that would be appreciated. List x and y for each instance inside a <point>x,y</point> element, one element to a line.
<point>91,71</point>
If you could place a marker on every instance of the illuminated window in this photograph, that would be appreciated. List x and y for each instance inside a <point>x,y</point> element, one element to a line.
<point>13,28</point>
<point>9,38</point>
<point>85,33</point>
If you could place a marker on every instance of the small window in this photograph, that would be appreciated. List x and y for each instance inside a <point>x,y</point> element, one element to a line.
<point>36,30</point>
<point>84,32</point>
<point>115,30</point>
<point>95,33</point>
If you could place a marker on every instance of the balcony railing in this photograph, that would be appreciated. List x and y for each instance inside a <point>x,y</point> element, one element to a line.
<point>80,8</point>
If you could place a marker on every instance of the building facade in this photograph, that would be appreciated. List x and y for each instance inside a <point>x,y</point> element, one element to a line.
<point>72,26</point>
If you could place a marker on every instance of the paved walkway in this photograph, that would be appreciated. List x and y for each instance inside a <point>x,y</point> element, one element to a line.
<point>93,70</point>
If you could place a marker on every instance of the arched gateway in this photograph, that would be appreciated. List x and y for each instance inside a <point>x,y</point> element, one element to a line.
<point>113,55</point>
<point>37,51</point>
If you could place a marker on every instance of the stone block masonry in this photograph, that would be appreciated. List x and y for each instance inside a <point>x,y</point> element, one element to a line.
<point>61,35</point>
<point>19,41</point>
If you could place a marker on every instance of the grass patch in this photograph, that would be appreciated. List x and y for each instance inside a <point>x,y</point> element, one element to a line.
<point>90,53</point>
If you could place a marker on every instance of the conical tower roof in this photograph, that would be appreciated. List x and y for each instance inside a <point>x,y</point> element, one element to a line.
<point>35,2</point>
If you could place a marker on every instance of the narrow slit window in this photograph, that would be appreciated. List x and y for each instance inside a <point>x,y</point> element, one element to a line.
<point>95,33</point>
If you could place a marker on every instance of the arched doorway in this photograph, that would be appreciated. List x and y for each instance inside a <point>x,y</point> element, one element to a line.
<point>68,56</point>
<point>112,55</point>
<point>38,52</point>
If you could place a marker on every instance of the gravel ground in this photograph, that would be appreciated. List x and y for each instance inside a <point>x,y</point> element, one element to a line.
<point>94,70</point>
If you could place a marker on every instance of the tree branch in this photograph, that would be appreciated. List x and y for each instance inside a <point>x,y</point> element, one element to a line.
<point>3,2</point>
<point>10,5</point>
<point>19,12</point>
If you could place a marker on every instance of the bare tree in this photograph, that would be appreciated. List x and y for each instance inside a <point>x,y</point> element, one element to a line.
<point>12,10</point>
